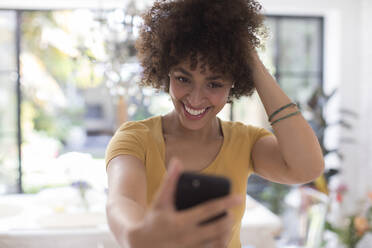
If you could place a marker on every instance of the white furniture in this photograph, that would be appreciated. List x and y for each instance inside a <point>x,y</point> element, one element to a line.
<point>259,226</point>
<point>29,222</point>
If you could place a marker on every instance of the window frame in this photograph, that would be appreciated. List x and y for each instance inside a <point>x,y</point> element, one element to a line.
<point>278,19</point>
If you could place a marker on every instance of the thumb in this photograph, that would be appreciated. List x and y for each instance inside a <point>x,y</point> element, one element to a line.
<point>166,194</point>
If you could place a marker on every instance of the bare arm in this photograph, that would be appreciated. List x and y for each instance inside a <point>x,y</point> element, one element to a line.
<point>126,202</point>
<point>161,225</point>
<point>294,154</point>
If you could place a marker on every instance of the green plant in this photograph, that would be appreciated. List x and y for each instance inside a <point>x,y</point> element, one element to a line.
<point>82,187</point>
<point>318,121</point>
<point>273,196</point>
<point>356,225</point>
<point>351,232</point>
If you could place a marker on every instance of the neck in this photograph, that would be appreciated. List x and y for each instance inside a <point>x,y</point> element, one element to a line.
<point>173,126</point>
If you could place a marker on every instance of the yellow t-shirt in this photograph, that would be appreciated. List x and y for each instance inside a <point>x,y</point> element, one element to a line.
<point>144,140</point>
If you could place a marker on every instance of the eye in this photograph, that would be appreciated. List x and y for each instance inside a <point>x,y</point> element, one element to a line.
<point>182,79</point>
<point>215,85</point>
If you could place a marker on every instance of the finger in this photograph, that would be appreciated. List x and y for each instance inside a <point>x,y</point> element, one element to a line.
<point>221,242</point>
<point>165,196</point>
<point>224,240</point>
<point>215,244</point>
<point>217,232</point>
<point>210,209</point>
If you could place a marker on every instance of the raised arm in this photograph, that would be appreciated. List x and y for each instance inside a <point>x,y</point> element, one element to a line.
<point>294,154</point>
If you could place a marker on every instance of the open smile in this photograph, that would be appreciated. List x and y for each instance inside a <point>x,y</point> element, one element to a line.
<point>194,114</point>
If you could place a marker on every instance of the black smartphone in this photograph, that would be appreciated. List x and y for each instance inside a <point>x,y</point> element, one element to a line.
<point>195,188</point>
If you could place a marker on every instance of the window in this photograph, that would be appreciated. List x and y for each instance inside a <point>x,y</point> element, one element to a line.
<point>294,55</point>
<point>79,76</point>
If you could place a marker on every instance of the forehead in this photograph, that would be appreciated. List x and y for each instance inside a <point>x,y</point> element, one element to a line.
<point>186,66</point>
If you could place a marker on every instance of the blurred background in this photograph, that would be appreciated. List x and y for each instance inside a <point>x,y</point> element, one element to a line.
<point>68,79</point>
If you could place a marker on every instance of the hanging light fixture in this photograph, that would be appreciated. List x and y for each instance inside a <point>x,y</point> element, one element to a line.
<point>120,28</point>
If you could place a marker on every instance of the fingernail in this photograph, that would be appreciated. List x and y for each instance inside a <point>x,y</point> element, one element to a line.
<point>173,167</point>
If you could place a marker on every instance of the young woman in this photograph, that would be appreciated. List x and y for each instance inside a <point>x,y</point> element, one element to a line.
<point>202,52</point>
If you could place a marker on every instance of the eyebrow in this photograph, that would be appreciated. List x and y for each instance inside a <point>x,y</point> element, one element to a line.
<point>214,77</point>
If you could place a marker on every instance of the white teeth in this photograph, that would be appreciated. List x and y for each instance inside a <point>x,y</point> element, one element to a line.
<point>194,112</point>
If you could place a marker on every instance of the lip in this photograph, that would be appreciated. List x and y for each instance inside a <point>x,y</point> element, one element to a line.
<point>194,117</point>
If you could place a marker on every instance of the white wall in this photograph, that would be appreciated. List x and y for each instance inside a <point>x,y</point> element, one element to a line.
<point>365,170</point>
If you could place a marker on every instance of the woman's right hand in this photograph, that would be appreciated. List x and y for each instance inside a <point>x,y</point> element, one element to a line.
<point>165,227</point>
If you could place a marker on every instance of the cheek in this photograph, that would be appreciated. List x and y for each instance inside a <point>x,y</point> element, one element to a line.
<point>176,92</point>
<point>219,98</point>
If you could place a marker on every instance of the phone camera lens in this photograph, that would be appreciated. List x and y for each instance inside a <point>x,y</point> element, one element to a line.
<point>195,183</point>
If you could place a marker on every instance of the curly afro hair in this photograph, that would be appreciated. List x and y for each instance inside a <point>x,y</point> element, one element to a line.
<point>220,34</point>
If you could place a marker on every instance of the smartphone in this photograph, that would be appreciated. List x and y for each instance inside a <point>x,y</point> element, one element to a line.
<point>195,188</point>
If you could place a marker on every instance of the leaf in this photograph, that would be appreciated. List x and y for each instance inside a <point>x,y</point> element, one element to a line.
<point>330,227</point>
<point>346,124</point>
<point>331,95</point>
<point>347,140</point>
<point>349,112</point>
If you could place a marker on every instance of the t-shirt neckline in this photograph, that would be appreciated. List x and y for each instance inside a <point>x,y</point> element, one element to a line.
<point>213,163</point>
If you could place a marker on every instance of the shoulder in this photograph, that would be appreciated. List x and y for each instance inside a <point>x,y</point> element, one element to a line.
<point>136,131</point>
<point>133,138</point>
<point>238,129</point>
<point>141,128</point>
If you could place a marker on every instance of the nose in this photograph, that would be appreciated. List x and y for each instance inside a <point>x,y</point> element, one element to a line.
<point>196,96</point>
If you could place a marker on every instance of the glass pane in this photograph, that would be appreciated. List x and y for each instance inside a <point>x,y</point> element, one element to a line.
<point>300,45</point>
<point>225,113</point>
<point>299,89</point>
<point>8,134</point>
<point>78,85</point>
<point>250,110</point>
<point>160,103</point>
<point>7,40</point>
<point>269,53</point>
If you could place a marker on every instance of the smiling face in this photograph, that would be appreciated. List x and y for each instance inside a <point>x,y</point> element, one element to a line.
<point>198,96</point>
